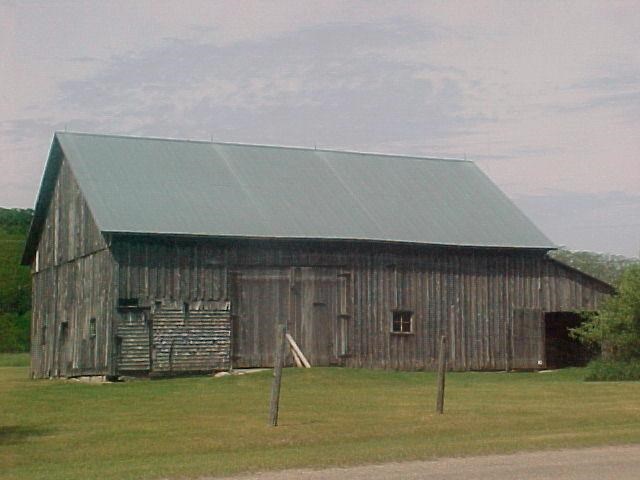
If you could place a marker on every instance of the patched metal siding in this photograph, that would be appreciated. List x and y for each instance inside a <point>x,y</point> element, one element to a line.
<point>193,340</point>
<point>132,342</point>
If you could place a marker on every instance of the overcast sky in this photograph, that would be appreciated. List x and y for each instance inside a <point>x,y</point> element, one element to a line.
<point>545,97</point>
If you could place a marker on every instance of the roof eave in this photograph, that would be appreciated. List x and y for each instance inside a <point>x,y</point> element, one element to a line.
<point>47,185</point>
<point>544,248</point>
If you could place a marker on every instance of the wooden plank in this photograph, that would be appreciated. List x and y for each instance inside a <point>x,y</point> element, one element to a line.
<point>297,351</point>
<point>296,358</point>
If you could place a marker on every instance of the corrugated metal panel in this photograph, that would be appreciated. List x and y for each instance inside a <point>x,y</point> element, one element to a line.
<point>144,185</point>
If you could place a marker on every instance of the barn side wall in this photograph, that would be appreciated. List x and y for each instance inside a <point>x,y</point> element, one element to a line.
<point>73,289</point>
<point>476,297</point>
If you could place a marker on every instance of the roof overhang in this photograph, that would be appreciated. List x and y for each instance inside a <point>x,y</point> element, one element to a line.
<point>47,186</point>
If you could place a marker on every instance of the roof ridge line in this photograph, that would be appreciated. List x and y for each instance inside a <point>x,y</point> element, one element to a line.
<point>264,145</point>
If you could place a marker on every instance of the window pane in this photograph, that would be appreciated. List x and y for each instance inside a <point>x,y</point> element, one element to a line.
<point>402,321</point>
<point>397,325</point>
<point>406,323</point>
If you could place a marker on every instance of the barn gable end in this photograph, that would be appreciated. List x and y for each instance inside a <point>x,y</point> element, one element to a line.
<point>73,282</point>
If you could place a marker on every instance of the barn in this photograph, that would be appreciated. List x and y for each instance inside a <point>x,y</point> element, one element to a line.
<point>159,257</point>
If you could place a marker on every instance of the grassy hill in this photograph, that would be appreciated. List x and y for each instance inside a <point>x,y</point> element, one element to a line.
<point>15,282</point>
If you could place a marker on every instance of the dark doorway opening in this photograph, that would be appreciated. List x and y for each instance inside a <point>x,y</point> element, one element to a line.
<point>562,350</point>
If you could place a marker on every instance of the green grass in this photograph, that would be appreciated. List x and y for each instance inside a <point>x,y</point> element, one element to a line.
<point>190,427</point>
<point>14,360</point>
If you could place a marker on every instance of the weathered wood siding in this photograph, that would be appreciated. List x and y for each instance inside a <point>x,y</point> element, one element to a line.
<point>166,270</point>
<point>191,338</point>
<point>69,231</point>
<point>526,338</point>
<point>304,298</point>
<point>133,341</point>
<point>73,289</point>
<point>338,298</point>
<point>172,337</point>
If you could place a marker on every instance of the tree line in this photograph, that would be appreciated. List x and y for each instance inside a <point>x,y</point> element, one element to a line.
<point>15,281</point>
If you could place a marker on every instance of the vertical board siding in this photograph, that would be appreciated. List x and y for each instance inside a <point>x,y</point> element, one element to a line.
<point>470,295</point>
<point>528,343</point>
<point>327,297</point>
<point>69,231</point>
<point>65,299</point>
<point>72,283</point>
<point>164,270</point>
<point>261,301</point>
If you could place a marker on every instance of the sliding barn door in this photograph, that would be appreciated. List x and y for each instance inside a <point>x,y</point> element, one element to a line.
<point>303,298</point>
<point>315,315</point>
<point>260,300</point>
<point>527,339</point>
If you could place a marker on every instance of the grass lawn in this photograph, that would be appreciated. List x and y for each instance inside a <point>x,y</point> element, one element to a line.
<point>14,360</point>
<point>202,426</point>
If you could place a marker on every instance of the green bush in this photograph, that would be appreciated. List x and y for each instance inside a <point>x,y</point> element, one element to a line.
<point>616,327</point>
<point>15,220</point>
<point>15,281</point>
<point>14,332</point>
<point>607,371</point>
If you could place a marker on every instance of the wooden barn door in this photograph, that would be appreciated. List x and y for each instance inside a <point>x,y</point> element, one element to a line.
<point>260,300</point>
<point>315,313</point>
<point>305,298</point>
<point>527,339</point>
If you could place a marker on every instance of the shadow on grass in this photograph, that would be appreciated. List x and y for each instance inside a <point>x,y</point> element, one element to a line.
<point>14,434</point>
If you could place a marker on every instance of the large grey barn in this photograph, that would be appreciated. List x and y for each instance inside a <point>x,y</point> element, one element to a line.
<point>157,256</point>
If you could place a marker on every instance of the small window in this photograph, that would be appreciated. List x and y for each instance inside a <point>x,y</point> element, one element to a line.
<point>64,333</point>
<point>402,321</point>
<point>127,302</point>
<point>92,327</point>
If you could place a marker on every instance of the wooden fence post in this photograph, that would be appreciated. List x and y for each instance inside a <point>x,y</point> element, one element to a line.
<point>442,367</point>
<point>277,374</point>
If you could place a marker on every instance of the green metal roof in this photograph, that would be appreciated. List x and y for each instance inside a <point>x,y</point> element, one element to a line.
<point>166,186</point>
